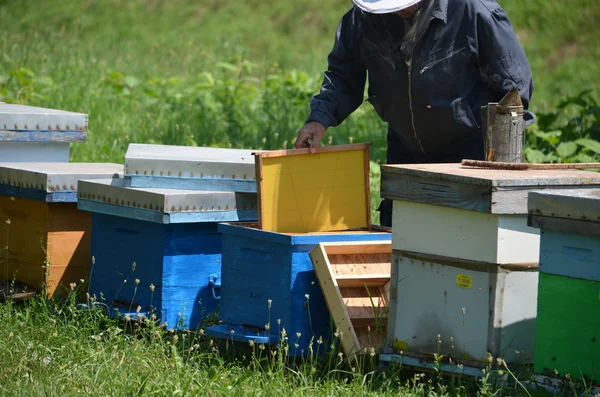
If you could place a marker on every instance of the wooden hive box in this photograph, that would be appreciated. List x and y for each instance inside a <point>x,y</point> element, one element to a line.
<point>34,134</point>
<point>259,266</point>
<point>355,280</point>
<point>48,239</point>
<point>462,235</point>
<point>568,322</point>
<point>299,206</point>
<point>172,237</point>
<point>192,168</point>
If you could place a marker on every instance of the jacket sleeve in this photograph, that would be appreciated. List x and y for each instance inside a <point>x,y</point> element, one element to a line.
<point>343,85</point>
<point>503,63</point>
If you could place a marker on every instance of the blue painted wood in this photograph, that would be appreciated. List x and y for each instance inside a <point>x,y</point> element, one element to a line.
<point>166,218</point>
<point>259,266</point>
<point>242,230</point>
<point>38,195</point>
<point>192,253</point>
<point>214,216</point>
<point>116,312</point>
<point>178,259</point>
<point>186,183</point>
<point>241,334</point>
<point>43,136</point>
<point>306,242</point>
<point>570,254</point>
<point>250,230</point>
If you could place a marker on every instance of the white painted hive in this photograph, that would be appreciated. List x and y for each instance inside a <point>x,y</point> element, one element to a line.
<point>476,310</point>
<point>465,260</point>
<point>29,133</point>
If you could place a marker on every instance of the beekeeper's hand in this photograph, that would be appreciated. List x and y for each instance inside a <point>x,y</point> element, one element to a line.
<point>313,132</point>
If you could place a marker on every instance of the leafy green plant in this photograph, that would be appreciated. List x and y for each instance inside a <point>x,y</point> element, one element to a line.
<point>568,134</point>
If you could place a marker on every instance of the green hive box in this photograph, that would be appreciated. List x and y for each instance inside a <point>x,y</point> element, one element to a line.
<point>568,318</point>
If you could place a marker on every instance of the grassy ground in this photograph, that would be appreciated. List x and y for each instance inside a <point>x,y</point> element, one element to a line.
<point>51,348</point>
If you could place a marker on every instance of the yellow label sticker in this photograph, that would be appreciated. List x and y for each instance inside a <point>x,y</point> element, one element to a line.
<point>400,345</point>
<point>464,281</point>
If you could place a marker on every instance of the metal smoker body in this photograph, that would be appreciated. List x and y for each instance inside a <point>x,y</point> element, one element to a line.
<point>504,129</point>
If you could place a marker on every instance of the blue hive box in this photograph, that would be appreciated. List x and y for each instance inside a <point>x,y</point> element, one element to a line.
<point>260,266</point>
<point>171,236</point>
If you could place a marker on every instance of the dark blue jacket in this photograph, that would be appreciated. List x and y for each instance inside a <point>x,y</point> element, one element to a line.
<point>469,56</point>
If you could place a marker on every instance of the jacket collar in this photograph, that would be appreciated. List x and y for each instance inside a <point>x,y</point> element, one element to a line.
<point>440,10</point>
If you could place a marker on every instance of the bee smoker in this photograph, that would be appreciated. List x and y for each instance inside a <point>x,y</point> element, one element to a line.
<point>503,129</point>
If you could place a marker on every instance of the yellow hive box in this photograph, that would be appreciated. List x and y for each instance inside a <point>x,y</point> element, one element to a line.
<point>48,238</point>
<point>300,192</point>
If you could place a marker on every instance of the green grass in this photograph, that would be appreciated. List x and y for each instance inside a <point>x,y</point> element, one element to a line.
<point>50,348</point>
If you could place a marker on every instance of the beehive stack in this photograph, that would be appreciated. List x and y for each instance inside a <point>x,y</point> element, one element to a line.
<point>48,239</point>
<point>568,322</point>
<point>268,280</point>
<point>465,261</point>
<point>163,216</point>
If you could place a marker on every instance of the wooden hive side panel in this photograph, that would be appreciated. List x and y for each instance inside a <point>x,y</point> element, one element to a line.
<point>69,239</point>
<point>435,191</point>
<point>517,242</point>
<point>444,231</point>
<point>515,312</point>
<point>310,316</point>
<point>192,254</point>
<point>430,299</point>
<point>26,237</point>
<point>570,254</point>
<point>116,244</point>
<point>355,278</point>
<point>568,327</point>
<point>302,192</point>
<point>254,271</point>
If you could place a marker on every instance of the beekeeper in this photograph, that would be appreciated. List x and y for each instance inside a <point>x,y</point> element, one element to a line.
<point>431,65</point>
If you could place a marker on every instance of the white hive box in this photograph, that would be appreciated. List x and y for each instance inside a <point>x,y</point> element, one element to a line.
<point>192,168</point>
<point>34,134</point>
<point>465,261</point>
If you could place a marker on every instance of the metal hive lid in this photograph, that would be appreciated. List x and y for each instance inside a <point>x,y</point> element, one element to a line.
<point>108,196</point>
<point>54,177</point>
<point>579,204</point>
<point>189,162</point>
<point>30,123</point>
